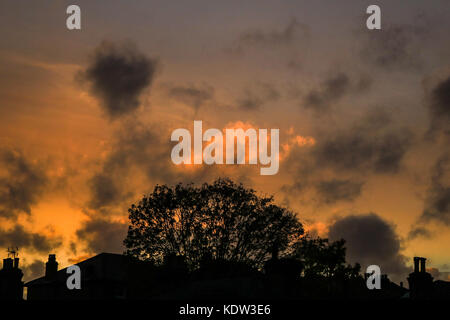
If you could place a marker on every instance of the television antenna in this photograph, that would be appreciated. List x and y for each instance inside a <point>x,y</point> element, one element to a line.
<point>13,252</point>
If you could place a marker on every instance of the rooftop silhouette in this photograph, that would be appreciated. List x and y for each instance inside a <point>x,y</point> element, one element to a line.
<point>115,276</point>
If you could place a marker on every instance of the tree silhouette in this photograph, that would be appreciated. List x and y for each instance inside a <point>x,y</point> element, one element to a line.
<point>322,258</point>
<point>218,221</point>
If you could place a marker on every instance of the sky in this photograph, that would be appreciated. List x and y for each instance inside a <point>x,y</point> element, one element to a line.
<point>364,117</point>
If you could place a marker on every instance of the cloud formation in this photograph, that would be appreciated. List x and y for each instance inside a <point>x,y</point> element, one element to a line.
<point>106,190</point>
<point>34,270</point>
<point>396,47</point>
<point>332,90</point>
<point>101,235</point>
<point>439,108</point>
<point>369,145</point>
<point>22,182</point>
<point>287,36</point>
<point>371,240</point>
<point>254,98</point>
<point>134,145</point>
<point>191,95</point>
<point>419,232</point>
<point>140,153</point>
<point>437,202</point>
<point>334,190</point>
<point>117,76</point>
<point>35,242</point>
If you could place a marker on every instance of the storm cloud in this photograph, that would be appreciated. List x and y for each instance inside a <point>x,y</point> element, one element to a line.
<point>22,182</point>
<point>117,76</point>
<point>371,240</point>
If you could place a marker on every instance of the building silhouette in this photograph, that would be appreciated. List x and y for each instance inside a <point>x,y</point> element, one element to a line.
<point>421,284</point>
<point>104,276</point>
<point>11,285</point>
<point>420,281</point>
<point>115,276</point>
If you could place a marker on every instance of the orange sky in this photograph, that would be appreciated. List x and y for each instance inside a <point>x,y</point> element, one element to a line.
<point>301,68</point>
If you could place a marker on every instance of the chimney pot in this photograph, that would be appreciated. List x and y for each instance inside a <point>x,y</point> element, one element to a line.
<point>416,264</point>
<point>16,263</point>
<point>7,263</point>
<point>422,264</point>
<point>51,267</point>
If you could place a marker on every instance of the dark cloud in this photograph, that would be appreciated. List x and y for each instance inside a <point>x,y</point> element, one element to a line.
<point>34,270</point>
<point>31,241</point>
<point>363,84</point>
<point>193,96</point>
<point>371,240</point>
<point>439,108</point>
<point>254,98</point>
<point>395,47</point>
<point>332,90</point>
<point>332,191</point>
<point>249,102</point>
<point>369,145</point>
<point>134,145</point>
<point>22,182</point>
<point>437,202</point>
<point>287,36</point>
<point>419,232</point>
<point>73,247</point>
<point>100,235</point>
<point>105,190</point>
<point>118,75</point>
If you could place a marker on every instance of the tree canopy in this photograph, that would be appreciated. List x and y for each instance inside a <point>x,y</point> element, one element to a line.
<point>322,258</point>
<point>219,221</point>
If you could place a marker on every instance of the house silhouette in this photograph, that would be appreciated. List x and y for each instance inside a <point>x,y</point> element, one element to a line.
<point>11,285</point>
<point>115,276</point>
<point>104,276</point>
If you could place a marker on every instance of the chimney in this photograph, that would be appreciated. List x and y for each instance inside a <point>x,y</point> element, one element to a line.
<point>16,263</point>
<point>416,264</point>
<point>51,267</point>
<point>422,264</point>
<point>7,264</point>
